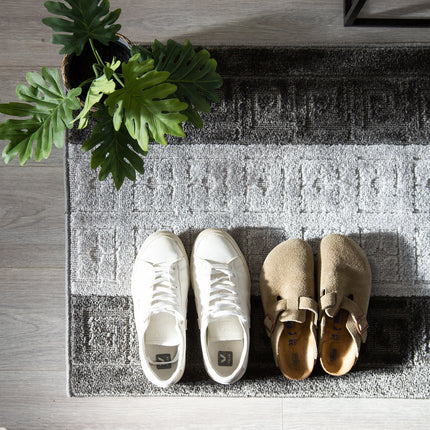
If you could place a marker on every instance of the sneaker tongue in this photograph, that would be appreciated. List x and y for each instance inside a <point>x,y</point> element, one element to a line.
<point>162,330</point>
<point>225,329</point>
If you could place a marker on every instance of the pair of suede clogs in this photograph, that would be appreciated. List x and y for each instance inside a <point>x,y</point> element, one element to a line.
<point>292,314</point>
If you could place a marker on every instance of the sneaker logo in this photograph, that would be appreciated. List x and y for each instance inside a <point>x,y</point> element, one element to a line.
<point>163,358</point>
<point>225,358</point>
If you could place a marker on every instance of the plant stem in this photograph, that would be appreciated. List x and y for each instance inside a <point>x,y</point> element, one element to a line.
<point>118,79</point>
<point>102,64</point>
<point>88,81</point>
<point>96,54</point>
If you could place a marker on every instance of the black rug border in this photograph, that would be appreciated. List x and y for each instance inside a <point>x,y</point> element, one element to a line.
<point>129,380</point>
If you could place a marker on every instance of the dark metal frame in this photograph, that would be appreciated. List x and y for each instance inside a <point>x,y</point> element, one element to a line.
<point>353,7</point>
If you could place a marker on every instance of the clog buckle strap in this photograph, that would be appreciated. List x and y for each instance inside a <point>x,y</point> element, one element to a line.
<point>270,320</point>
<point>360,322</point>
<point>309,304</point>
<point>269,324</point>
<point>304,303</point>
<point>362,325</point>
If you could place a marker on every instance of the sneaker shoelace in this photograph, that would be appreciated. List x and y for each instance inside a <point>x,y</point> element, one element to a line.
<point>164,298</point>
<point>164,295</point>
<point>223,297</point>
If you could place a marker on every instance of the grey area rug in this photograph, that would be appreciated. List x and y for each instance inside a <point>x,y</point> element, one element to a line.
<point>305,142</point>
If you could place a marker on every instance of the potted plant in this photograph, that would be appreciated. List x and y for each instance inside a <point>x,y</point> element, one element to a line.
<point>135,98</point>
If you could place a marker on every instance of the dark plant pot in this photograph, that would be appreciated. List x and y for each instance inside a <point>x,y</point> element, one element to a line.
<point>77,69</point>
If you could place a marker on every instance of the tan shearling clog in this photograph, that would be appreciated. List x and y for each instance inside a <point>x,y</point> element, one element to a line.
<point>291,313</point>
<point>344,283</point>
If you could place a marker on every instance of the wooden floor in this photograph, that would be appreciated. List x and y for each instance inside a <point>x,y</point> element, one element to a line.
<point>32,297</point>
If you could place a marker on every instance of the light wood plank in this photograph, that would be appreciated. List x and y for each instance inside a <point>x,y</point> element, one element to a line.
<point>25,40</point>
<point>273,22</point>
<point>37,400</point>
<point>245,22</point>
<point>32,209</point>
<point>355,414</point>
<point>32,217</point>
<point>36,256</point>
<point>396,9</point>
<point>32,318</point>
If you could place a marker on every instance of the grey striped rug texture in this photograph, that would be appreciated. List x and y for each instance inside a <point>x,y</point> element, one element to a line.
<point>305,142</point>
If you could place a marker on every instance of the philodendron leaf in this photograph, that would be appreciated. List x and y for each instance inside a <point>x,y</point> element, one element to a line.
<point>87,19</point>
<point>50,114</point>
<point>114,151</point>
<point>109,69</point>
<point>101,86</point>
<point>145,54</point>
<point>142,105</point>
<point>193,73</point>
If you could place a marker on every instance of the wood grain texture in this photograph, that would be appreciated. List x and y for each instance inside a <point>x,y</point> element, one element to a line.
<point>32,217</point>
<point>272,22</point>
<point>32,316</point>
<point>341,414</point>
<point>396,8</point>
<point>35,400</point>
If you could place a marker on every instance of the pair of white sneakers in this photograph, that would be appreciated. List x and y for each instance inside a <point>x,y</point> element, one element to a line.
<point>220,279</point>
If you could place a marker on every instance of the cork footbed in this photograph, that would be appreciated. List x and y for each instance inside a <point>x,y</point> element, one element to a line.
<point>337,353</point>
<point>296,352</point>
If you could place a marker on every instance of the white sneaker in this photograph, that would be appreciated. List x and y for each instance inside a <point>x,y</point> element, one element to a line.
<point>221,283</point>
<point>159,287</point>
